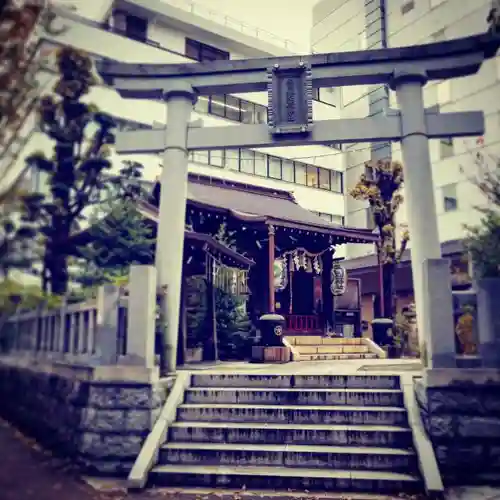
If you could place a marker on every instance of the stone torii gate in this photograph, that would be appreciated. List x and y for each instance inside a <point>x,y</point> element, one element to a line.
<point>289,81</point>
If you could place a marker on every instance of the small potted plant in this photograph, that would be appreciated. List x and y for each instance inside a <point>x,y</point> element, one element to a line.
<point>399,334</point>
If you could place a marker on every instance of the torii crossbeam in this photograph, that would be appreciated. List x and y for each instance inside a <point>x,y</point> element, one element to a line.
<point>289,81</point>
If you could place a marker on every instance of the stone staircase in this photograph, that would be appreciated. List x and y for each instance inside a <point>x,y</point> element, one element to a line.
<point>291,432</point>
<point>317,348</point>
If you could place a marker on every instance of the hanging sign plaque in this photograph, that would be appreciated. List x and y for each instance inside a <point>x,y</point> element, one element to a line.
<point>338,280</point>
<point>280,274</point>
<point>290,99</point>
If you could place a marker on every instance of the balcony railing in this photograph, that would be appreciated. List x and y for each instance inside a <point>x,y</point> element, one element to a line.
<point>231,22</point>
<point>302,323</point>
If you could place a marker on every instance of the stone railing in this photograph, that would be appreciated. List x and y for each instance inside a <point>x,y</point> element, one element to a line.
<point>116,327</point>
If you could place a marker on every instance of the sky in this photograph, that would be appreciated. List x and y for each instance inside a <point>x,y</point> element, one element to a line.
<point>275,16</point>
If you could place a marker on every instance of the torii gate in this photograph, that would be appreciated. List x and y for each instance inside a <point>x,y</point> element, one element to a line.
<point>289,81</point>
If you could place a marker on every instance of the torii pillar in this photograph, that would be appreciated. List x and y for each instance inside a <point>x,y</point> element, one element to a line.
<point>431,273</point>
<point>172,214</point>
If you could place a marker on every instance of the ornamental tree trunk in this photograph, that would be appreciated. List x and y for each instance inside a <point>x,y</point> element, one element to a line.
<point>388,271</point>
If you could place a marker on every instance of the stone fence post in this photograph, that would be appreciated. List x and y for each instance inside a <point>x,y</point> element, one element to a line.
<point>106,334</point>
<point>141,317</point>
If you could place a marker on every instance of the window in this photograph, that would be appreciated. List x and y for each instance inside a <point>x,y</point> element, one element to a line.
<point>334,219</point>
<point>133,27</point>
<point>217,158</point>
<point>200,157</point>
<point>260,164</point>
<point>324,178</point>
<point>336,181</point>
<point>136,28</point>
<point>450,201</point>
<point>274,167</point>
<point>233,108</point>
<point>260,114</point>
<point>407,7</point>
<point>312,176</point>
<point>445,148</point>
<point>217,105</point>
<point>232,159</point>
<point>202,52</point>
<point>202,105</point>
<point>287,170</point>
<point>247,161</point>
<point>300,173</point>
<point>338,219</point>
<point>247,112</point>
<point>252,162</point>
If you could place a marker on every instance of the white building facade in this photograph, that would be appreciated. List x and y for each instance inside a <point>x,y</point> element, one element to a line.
<point>348,25</point>
<point>153,31</point>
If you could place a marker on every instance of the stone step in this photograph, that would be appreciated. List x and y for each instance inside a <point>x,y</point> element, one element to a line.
<point>332,349</point>
<point>357,415</point>
<point>263,433</point>
<point>280,455</point>
<point>287,396</point>
<point>339,357</point>
<point>285,478</point>
<point>296,381</point>
<point>221,493</point>
<point>298,340</point>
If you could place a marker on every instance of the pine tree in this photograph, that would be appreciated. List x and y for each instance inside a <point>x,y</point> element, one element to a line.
<point>17,250</point>
<point>235,332</point>
<point>120,237</point>
<point>79,171</point>
<point>196,311</point>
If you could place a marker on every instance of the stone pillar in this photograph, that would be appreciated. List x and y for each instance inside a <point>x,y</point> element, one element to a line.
<point>438,314</point>
<point>141,317</point>
<point>172,212</point>
<point>106,334</point>
<point>421,207</point>
<point>488,305</point>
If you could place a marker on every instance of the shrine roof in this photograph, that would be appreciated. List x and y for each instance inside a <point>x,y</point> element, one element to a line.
<point>252,203</point>
<point>222,252</point>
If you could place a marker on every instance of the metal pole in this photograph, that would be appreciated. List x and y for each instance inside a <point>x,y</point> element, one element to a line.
<point>172,215</point>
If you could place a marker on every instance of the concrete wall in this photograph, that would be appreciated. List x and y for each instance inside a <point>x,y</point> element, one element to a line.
<point>87,414</point>
<point>463,422</point>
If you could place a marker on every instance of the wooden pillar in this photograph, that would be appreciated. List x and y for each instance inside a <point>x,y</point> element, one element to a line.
<point>210,351</point>
<point>271,250</point>
<point>328,308</point>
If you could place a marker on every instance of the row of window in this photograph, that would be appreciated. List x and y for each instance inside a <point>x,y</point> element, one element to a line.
<point>232,108</point>
<point>254,163</point>
<point>335,219</point>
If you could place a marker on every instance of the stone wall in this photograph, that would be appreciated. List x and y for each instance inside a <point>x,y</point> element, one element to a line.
<point>100,424</point>
<point>462,420</point>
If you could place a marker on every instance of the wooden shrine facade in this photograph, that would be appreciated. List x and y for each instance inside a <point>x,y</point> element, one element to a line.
<point>218,266</point>
<point>292,248</point>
